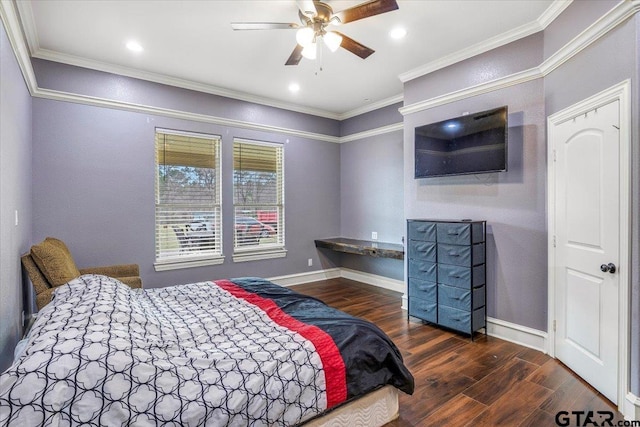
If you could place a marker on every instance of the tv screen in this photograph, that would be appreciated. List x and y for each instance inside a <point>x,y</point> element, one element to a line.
<point>474,143</point>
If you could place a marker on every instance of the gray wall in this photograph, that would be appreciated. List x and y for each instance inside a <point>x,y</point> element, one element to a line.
<point>317,178</point>
<point>15,194</point>
<point>67,78</point>
<point>384,116</point>
<point>513,203</point>
<point>371,198</point>
<point>94,189</point>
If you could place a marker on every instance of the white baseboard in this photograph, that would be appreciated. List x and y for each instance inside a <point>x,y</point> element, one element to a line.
<point>507,331</point>
<point>306,277</point>
<point>373,279</point>
<point>631,407</point>
<point>517,334</point>
<point>347,273</point>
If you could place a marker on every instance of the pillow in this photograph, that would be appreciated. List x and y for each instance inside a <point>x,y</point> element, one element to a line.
<point>54,260</point>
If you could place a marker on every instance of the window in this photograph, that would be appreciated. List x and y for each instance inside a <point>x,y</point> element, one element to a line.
<point>258,199</point>
<point>188,214</point>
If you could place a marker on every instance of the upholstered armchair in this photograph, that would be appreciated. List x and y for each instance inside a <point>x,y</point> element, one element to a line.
<point>49,264</point>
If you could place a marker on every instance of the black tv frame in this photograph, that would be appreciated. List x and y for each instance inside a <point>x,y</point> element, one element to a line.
<point>439,126</point>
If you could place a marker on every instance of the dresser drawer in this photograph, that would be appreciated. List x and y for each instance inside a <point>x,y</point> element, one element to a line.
<point>461,255</point>
<point>422,250</point>
<point>423,269</point>
<point>423,289</point>
<point>461,298</point>
<point>464,321</point>
<point>462,277</point>
<point>422,230</point>
<point>422,309</point>
<point>460,233</point>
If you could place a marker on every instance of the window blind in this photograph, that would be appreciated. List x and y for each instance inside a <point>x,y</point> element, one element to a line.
<point>258,195</point>
<point>188,212</point>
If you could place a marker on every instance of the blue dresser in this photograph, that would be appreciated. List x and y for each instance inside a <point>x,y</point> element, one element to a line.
<point>446,273</point>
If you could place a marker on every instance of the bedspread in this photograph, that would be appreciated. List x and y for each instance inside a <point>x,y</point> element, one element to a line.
<point>241,352</point>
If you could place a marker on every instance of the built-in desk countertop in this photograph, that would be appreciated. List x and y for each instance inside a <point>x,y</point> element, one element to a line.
<point>362,247</point>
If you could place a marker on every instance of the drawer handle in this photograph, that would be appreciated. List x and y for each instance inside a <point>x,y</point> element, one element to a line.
<point>454,254</point>
<point>453,233</point>
<point>455,276</point>
<point>423,288</point>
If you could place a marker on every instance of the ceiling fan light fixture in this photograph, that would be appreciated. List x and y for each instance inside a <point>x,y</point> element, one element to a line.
<point>332,40</point>
<point>305,36</point>
<point>310,51</point>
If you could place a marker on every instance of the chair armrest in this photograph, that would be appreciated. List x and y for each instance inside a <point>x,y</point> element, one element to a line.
<point>132,282</point>
<point>44,298</point>
<point>117,271</point>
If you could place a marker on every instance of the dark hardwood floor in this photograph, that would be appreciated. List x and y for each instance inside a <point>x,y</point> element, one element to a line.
<point>459,382</point>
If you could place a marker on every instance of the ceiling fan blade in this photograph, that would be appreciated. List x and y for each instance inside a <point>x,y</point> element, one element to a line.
<point>354,47</point>
<point>264,26</point>
<point>296,56</point>
<point>307,8</point>
<point>365,10</point>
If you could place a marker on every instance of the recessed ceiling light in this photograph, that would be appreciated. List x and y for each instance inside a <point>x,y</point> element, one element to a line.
<point>397,33</point>
<point>134,46</point>
<point>294,87</point>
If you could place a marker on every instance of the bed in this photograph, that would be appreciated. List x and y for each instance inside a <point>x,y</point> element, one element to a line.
<point>234,352</point>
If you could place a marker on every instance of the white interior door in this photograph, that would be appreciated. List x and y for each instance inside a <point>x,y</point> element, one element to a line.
<point>587,240</point>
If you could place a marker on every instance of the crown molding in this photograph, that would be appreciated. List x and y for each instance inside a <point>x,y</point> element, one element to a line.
<point>609,21</point>
<point>493,85</point>
<point>552,12</point>
<point>471,51</point>
<point>518,33</point>
<point>31,35</point>
<point>177,82</point>
<point>63,58</point>
<point>371,107</point>
<point>11,22</point>
<point>372,132</point>
<point>205,118</point>
<point>177,114</point>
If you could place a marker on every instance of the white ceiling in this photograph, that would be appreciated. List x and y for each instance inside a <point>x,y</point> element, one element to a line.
<point>191,44</point>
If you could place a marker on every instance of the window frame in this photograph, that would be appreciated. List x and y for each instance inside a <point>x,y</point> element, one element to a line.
<point>196,260</point>
<point>267,251</point>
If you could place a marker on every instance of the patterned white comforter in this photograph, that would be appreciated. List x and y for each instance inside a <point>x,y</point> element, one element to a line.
<point>189,355</point>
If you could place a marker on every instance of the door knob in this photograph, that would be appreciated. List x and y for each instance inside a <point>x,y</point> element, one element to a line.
<point>608,268</point>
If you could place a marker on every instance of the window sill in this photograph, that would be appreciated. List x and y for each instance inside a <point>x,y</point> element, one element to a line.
<point>256,255</point>
<point>176,264</point>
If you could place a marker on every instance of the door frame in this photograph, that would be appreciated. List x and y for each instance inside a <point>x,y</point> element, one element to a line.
<point>622,93</point>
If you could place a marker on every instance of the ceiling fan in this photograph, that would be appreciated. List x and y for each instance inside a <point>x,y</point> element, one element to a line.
<point>315,16</point>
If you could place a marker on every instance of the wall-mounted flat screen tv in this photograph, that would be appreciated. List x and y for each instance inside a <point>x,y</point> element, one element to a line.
<point>469,144</point>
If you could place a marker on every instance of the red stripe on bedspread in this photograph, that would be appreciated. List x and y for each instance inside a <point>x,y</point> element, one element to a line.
<point>332,363</point>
